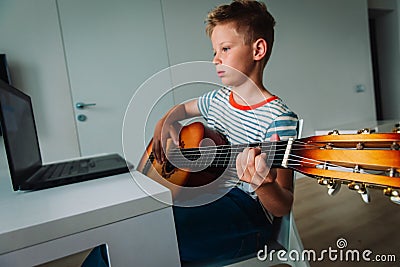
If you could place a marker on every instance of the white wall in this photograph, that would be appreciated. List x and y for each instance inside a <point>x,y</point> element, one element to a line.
<point>388,46</point>
<point>187,40</point>
<point>321,53</point>
<point>31,39</point>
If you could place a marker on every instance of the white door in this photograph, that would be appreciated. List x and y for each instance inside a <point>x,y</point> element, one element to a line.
<point>112,47</point>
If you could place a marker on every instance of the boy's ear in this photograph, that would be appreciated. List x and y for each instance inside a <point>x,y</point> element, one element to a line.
<point>260,48</point>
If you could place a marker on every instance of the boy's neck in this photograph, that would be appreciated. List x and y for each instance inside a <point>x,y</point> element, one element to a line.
<point>250,93</point>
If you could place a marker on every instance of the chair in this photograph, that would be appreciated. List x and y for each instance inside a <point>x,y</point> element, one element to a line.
<point>286,238</point>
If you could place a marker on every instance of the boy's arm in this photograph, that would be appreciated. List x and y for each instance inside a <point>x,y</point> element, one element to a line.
<point>274,187</point>
<point>168,126</point>
<point>276,195</point>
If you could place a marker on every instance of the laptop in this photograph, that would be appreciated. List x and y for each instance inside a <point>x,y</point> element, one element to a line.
<point>23,152</point>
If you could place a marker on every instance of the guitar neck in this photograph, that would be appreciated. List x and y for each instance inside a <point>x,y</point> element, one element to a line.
<point>225,156</point>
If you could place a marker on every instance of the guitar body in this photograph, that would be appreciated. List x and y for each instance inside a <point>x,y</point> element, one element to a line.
<point>194,135</point>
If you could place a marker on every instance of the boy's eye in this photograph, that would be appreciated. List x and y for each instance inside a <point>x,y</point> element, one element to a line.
<point>223,49</point>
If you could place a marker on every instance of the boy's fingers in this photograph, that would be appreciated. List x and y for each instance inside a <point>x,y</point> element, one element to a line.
<point>251,159</point>
<point>239,165</point>
<point>261,165</point>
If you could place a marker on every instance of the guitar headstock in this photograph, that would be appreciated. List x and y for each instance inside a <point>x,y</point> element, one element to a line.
<point>361,161</point>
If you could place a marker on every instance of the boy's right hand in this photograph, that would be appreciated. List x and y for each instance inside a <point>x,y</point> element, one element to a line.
<point>169,127</point>
<point>162,132</point>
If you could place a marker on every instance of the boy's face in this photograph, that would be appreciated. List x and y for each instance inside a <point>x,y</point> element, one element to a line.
<point>231,51</point>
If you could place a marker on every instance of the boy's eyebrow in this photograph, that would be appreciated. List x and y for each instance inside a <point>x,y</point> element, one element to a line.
<point>225,42</point>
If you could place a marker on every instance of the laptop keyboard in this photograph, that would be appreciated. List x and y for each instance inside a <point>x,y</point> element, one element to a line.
<point>67,169</point>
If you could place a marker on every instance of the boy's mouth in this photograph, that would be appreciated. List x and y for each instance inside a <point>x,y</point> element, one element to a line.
<point>220,73</point>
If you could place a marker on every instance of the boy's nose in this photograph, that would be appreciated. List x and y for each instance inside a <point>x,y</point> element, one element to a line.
<point>216,60</point>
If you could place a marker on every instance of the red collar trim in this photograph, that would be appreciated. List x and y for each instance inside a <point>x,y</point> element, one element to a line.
<point>241,107</point>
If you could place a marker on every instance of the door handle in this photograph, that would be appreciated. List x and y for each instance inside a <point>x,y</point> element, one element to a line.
<point>81,105</point>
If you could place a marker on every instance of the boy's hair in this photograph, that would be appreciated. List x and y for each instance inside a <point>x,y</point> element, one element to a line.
<point>252,20</point>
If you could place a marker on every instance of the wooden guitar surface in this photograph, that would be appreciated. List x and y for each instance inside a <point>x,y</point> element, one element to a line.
<point>194,135</point>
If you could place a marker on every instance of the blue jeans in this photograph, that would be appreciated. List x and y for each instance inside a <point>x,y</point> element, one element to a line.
<point>232,226</point>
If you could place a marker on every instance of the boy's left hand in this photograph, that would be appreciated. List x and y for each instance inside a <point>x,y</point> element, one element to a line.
<point>251,167</point>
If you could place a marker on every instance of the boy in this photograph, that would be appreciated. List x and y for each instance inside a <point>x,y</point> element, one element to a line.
<point>242,36</point>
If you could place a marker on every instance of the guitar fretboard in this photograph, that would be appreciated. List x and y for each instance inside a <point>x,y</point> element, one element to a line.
<point>224,156</point>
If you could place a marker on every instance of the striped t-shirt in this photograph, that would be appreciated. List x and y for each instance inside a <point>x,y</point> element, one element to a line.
<point>246,124</point>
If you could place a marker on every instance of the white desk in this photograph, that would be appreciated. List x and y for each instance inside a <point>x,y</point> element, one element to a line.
<point>41,226</point>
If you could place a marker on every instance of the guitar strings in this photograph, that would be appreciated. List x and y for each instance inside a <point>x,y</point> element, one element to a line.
<point>225,154</point>
<point>292,163</point>
<point>226,149</point>
<point>215,150</point>
<point>228,161</point>
<point>220,154</point>
<point>231,163</point>
<point>223,148</point>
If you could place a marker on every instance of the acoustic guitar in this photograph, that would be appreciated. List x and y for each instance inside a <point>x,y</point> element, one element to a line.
<point>361,161</point>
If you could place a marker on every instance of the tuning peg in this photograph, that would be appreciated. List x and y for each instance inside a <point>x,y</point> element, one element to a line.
<point>395,200</point>
<point>393,194</point>
<point>334,188</point>
<point>396,128</point>
<point>356,186</point>
<point>365,196</point>
<point>393,172</point>
<point>395,146</point>
<point>323,181</point>
<point>390,192</point>
<point>364,131</point>
<point>362,190</point>
<point>334,132</point>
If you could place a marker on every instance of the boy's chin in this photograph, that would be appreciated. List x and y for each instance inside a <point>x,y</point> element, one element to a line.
<point>226,82</point>
<point>235,82</point>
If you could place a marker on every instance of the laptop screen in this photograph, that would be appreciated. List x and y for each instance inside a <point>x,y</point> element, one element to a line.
<point>19,131</point>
